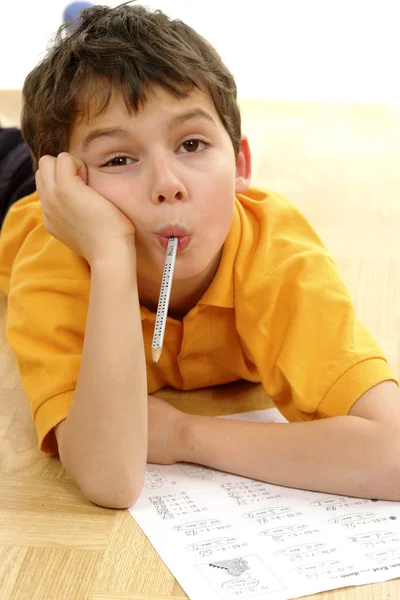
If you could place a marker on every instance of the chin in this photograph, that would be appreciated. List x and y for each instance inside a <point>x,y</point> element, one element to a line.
<point>189,267</point>
<point>188,270</point>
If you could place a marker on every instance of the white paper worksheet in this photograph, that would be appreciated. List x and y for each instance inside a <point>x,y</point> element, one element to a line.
<point>226,537</point>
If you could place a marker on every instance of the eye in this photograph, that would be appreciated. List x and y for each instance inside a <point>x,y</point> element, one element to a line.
<point>119,161</point>
<point>193,146</point>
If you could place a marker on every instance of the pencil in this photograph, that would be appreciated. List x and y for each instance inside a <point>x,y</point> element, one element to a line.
<point>163,301</point>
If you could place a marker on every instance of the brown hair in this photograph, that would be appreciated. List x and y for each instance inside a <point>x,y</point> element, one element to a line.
<point>127,48</point>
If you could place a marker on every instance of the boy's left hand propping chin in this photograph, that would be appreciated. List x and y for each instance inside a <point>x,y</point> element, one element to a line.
<point>165,428</point>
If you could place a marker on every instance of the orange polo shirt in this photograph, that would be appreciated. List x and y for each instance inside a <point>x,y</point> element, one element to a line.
<point>277,312</point>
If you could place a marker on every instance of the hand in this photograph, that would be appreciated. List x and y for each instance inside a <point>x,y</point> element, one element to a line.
<point>165,427</point>
<point>76,214</point>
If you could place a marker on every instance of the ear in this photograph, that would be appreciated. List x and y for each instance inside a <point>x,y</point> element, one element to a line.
<point>243,167</point>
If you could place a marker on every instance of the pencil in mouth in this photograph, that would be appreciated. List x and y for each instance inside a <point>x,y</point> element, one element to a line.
<point>163,300</point>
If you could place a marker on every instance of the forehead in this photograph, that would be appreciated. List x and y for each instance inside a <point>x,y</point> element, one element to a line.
<point>160,107</point>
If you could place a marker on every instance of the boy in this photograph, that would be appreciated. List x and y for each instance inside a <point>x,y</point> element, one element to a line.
<point>134,130</point>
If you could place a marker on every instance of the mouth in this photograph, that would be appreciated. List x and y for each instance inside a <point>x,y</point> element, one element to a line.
<point>183,235</point>
<point>183,241</point>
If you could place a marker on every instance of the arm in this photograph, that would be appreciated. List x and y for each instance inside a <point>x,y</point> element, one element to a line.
<point>103,441</point>
<point>357,454</point>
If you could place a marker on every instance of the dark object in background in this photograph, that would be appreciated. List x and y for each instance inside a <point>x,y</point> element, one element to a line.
<point>72,13</point>
<point>16,173</point>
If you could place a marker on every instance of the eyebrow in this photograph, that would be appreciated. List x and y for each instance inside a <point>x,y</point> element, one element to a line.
<point>108,132</point>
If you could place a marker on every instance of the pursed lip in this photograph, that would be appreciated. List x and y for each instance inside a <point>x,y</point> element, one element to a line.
<point>173,231</point>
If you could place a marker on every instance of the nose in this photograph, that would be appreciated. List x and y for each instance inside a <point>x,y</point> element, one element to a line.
<point>167,186</point>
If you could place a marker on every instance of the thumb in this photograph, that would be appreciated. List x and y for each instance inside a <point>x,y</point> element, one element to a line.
<point>81,168</point>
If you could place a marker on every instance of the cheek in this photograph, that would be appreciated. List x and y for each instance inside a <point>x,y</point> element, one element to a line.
<point>118,190</point>
<point>220,199</point>
<point>110,187</point>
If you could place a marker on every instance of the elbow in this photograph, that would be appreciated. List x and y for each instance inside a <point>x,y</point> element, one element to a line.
<point>113,501</point>
<point>120,496</point>
<point>106,482</point>
<point>109,490</point>
<point>117,490</point>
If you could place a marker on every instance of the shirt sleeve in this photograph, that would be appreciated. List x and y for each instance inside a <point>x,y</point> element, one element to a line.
<point>299,327</point>
<point>47,309</point>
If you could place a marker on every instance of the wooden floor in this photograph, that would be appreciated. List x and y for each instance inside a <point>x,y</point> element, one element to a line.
<point>340,164</point>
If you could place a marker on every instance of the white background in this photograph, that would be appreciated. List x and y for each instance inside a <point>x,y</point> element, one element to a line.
<point>325,50</point>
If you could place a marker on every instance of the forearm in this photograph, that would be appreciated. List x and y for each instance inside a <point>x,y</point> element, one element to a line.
<point>105,433</point>
<point>340,455</point>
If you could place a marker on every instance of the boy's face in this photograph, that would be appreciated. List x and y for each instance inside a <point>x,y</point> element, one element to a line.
<point>172,163</point>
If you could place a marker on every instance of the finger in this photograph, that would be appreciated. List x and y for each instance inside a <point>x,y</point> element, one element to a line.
<point>67,171</point>
<point>83,174</point>
<point>45,177</point>
<point>39,185</point>
<point>38,182</point>
<point>81,167</point>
